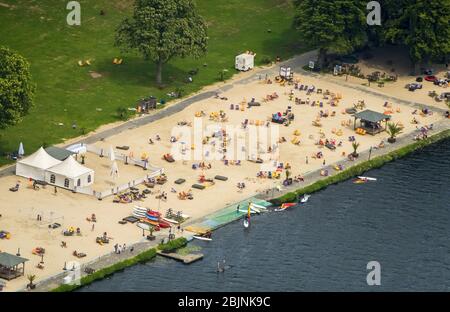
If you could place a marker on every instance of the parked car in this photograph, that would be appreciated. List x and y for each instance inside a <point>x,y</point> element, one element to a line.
<point>445,95</point>
<point>430,78</point>
<point>428,71</point>
<point>414,86</point>
<point>419,79</point>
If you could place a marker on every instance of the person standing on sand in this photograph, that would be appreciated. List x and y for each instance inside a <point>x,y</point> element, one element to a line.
<point>55,191</point>
<point>306,159</point>
<point>93,226</point>
<point>324,162</point>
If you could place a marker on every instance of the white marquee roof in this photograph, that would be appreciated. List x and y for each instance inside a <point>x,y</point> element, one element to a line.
<point>70,168</point>
<point>40,159</point>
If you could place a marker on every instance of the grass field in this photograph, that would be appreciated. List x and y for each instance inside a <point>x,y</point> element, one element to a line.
<point>66,93</point>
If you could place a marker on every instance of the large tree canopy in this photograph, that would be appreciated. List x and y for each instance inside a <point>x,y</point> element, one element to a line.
<point>163,29</point>
<point>333,26</point>
<point>423,25</point>
<point>16,89</point>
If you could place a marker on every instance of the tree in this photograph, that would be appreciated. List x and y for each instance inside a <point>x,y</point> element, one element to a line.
<point>355,149</point>
<point>332,26</point>
<point>31,278</point>
<point>393,129</point>
<point>163,29</point>
<point>422,25</point>
<point>16,88</point>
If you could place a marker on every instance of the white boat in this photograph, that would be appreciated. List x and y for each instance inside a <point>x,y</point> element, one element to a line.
<point>138,214</point>
<point>144,226</point>
<point>202,238</point>
<point>260,207</point>
<point>246,223</point>
<point>245,211</point>
<point>367,178</point>
<point>139,208</point>
<point>170,220</point>
<point>305,198</point>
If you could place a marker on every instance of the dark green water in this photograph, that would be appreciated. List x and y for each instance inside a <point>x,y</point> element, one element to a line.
<point>402,221</point>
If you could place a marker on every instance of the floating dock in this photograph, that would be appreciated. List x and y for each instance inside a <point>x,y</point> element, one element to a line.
<point>224,216</point>
<point>186,259</point>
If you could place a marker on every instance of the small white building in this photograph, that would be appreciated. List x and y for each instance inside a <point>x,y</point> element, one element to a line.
<point>34,166</point>
<point>70,174</point>
<point>245,61</point>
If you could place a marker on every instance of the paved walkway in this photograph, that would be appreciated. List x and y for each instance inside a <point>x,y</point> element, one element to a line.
<point>314,176</point>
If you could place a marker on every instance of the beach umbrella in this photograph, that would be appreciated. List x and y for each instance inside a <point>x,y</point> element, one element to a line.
<point>21,151</point>
<point>114,170</point>
<point>112,156</point>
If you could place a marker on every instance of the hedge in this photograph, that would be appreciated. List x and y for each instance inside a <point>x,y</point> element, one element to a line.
<point>173,245</point>
<point>120,266</point>
<point>359,169</point>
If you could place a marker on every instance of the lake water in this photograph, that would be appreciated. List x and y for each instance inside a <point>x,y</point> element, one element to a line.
<point>402,221</point>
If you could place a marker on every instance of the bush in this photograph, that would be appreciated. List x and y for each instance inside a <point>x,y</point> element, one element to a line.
<point>108,271</point>
<point>173,245</point>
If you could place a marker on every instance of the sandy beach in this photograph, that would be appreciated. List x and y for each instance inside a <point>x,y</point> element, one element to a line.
<point>19,210</point>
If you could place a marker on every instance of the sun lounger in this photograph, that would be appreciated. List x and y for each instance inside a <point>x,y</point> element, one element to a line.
<point>250,104</point>
<point>180,181</point>
<point>123,147</point>
<point>220,178</point>
<point>198,186</point>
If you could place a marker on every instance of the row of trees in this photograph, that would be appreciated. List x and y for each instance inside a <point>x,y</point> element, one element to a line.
<point>340,26</point>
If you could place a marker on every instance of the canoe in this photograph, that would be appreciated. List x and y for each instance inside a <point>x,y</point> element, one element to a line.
<point>164,224</point>
<point>170,220</point>
<point>202,238</point>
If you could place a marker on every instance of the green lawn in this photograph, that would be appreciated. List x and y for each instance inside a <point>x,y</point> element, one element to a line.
<point>66,93</point>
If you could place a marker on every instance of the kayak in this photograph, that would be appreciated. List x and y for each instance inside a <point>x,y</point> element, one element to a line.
<point>164,224</point>
<point>284,206</point>
<point>152,217</point>
<point>203,238</point>
<point>367,178</point>
<point>144,226</point>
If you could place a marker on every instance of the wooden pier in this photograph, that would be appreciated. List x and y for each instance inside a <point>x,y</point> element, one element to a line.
<point>186,259</point>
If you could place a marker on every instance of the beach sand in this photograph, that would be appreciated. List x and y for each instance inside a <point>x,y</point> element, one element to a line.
<point>19,210</point>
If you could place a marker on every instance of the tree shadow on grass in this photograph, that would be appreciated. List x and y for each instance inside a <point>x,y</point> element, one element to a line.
<point>277,45</point>
<point>137,72</point>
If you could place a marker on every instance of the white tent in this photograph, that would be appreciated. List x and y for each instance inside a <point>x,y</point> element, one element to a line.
<point>70,174</point>
<point>34,166</point>
<point>112,156</point>
<point>114,170</point>
<point>21,151</point>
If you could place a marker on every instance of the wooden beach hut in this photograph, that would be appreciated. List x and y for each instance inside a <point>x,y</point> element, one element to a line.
<point>371,121</point>
<point>11,266</point>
